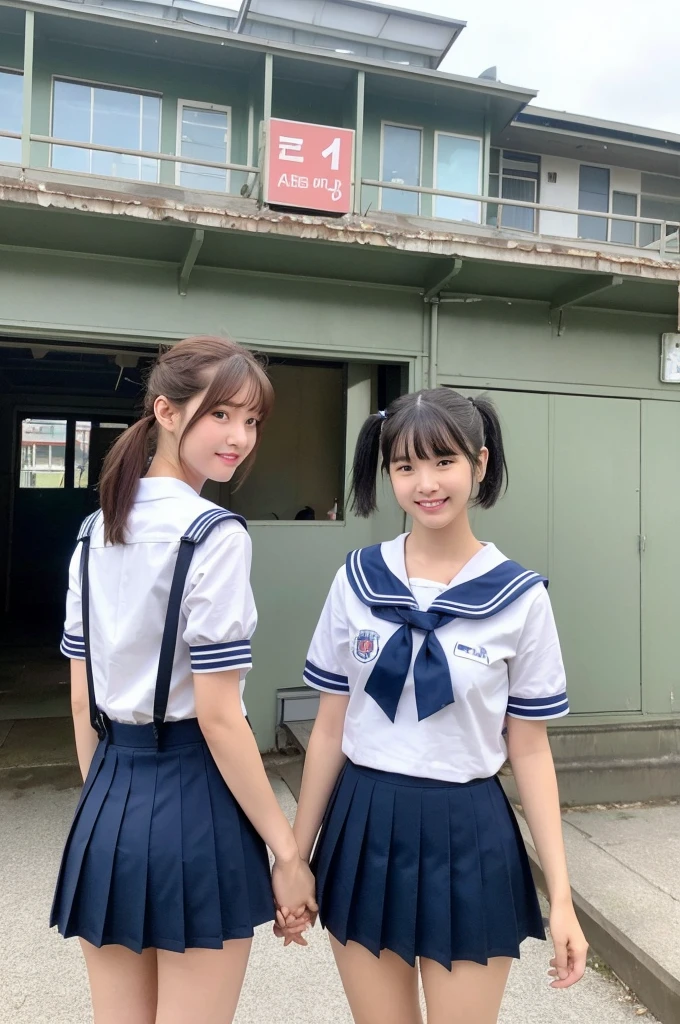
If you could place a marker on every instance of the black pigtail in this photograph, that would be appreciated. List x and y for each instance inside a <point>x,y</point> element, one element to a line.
<point>365,467</point>
<point>495,483</point>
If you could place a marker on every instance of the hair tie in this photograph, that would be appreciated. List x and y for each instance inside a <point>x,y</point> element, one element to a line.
<point>382,414</point>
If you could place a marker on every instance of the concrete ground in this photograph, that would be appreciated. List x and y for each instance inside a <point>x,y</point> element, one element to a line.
<point>42,978</point>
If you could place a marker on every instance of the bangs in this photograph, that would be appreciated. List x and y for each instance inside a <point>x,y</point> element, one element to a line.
<point>239,372</point>
<point>422,432</point>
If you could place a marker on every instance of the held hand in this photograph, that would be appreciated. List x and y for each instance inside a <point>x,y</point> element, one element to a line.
<point>571,949</point>
<point>294,888</point>
<point>291,928</point>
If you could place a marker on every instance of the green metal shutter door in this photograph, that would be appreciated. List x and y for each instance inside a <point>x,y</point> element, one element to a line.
<point>573,511</point>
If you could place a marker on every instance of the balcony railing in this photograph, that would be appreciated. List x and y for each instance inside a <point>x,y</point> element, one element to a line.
<point>667,245</point>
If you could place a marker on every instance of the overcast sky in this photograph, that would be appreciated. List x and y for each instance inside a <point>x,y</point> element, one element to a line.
<point>616,59</point>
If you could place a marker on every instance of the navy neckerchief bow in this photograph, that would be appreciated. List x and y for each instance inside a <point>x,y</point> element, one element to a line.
<point>388,598</point>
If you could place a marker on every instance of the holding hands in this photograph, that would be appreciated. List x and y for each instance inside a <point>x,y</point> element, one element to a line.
<point>294,894</point>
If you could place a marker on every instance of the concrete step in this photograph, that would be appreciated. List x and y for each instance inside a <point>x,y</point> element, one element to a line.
<point>626,897</point>
<point>652,739</point>
<point>612,780</point>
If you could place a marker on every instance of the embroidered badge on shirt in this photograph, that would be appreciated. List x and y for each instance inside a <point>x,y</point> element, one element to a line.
<point>366,645</point>
<point>472,653</point>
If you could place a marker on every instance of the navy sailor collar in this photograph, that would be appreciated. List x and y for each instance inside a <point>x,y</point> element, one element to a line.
<point>486,584</point>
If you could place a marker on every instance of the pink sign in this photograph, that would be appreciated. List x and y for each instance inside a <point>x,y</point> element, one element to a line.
<point>309,166</point>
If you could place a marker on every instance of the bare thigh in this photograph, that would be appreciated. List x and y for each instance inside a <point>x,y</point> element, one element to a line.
<point>123,984</point>
<point>468,994</point>
<point>201,986</point>
<point>378,989</point>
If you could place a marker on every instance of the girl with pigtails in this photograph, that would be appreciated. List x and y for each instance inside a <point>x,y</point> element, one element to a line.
<point>437,658</point>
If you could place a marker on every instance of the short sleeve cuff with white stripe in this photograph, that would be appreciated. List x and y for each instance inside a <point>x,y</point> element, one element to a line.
<point>320,679</point>
<point>73,646</point>
<point>538,708</point>
<point>221,657</point>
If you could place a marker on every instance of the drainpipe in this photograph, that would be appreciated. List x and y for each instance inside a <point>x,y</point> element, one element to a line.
<point>434,341</point>
<point>432,295</point>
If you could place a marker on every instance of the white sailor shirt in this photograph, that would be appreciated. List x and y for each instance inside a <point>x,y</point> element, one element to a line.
<point>504,662</point>
<point>129,590</point>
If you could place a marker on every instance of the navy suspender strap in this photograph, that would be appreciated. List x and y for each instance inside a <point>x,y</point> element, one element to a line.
<point>96,717</point>
<point>197,532</point>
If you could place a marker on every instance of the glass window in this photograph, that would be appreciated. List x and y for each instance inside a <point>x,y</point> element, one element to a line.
<point>81,462</point>
<point>623,231</point>
<point>457,170</point>
<point>11,102</point>
<point>664,209</point>
<point>593,194</point>
<point>401,164</point>
<point>204,135</point>
<point>107,117</point>
<point>43,447</point>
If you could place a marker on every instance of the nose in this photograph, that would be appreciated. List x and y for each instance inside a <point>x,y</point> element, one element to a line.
<point>237,434</point>
<point>427,483</point>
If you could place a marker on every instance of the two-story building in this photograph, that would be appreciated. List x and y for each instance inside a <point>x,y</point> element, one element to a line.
<point>489,244</point>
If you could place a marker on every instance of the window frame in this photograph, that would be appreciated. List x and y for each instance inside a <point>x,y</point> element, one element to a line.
<point>116,88</point>
<point>610,223</point>
<point>585,213</point>
<point>419,195</point>
<point>435,162</point>
<point>20,74</point>
<point>202,105</point>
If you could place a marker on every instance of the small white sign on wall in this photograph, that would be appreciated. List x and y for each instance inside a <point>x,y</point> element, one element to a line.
<point>670,358</point>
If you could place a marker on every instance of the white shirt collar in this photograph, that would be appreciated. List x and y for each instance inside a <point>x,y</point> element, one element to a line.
<point>393,551</point>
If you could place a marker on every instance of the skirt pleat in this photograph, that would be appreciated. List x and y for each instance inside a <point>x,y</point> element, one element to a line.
<point>68,901</point>
<point>96,873</point>
<point>369,892</point>
<point>159,853</point>
<point>424,868</point>
<point>402,882</point>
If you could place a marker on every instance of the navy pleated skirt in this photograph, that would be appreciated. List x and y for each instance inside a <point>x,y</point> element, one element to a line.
<point>424,868</point>
<point>159,853</point>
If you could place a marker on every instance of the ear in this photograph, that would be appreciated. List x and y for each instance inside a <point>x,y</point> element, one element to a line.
<point>482,461</point>
<point>166,413</point>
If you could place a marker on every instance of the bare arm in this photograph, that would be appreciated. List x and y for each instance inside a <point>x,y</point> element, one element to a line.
<point>534,771</point>
<point>323,763</point>
<point>233,746</point>
<point>86,737</point>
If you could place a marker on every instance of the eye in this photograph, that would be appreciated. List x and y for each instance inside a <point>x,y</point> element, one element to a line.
<point>404,469</point>
<point>219,414</point>
<point>252,422</point>
<point>446,462</point>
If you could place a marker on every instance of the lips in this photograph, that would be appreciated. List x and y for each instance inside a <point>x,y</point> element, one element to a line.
<point>432,506</point>
<point>229,458</point>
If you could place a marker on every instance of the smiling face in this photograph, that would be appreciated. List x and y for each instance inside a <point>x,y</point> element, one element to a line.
<point>220,441</point>
<point>437,489</point>
<point>215,445</point>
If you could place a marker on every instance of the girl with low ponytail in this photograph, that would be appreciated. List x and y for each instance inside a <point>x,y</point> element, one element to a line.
<point>165,873</point>
<point>437,658</point>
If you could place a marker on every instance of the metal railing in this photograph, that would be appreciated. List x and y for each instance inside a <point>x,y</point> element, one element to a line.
<point>669,230</point>
<point>142,154</point>
<point>668,242</point>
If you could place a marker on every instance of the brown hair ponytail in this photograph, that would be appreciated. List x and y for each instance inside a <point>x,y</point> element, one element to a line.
<point>217,366</point>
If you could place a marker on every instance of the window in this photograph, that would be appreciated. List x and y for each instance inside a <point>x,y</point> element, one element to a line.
<point>514,176</point>
<point>401,160</point>
<point>43,447</point>
<point>665,209</point>
<point>623,231</point>
<point>203,131</point>
<point>107,117</point>
<point>593,194</point>
<point>458,163</point>
<point>11,103</point>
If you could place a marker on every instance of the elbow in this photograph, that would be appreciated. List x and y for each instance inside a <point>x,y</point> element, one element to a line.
<point>80,706</point>
<point>220,730</point>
